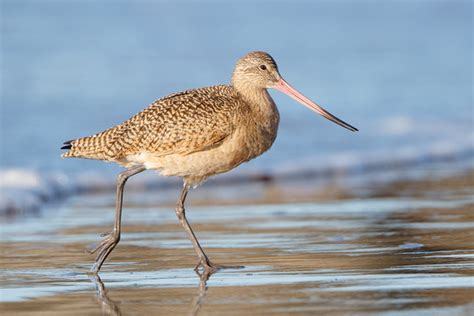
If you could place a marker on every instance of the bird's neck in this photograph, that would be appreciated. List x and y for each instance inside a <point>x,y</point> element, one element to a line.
<point>263,110</point>
<point>262,118</point>
<point>258,98</point>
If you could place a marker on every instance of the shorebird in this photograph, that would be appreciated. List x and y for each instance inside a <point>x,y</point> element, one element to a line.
<point>194,134</point>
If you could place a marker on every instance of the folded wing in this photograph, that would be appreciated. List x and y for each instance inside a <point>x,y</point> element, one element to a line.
<point>181,123</point>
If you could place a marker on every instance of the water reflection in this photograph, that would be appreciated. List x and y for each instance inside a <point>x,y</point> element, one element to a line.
<point>198,300</point>
<point>354,256</point>
<point>107,305</point>
<point>111,307</point>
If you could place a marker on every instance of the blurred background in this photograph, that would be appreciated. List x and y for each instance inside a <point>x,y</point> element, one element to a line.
<point>400,71</point>
<point>374,222</point>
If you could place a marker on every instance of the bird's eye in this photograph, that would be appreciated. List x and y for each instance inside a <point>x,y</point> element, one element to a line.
<point>263,67</point>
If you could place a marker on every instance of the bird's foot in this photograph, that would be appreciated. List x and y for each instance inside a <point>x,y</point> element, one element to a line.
<point>110,237</point>
<point>106,234</point>
<point>103,249</point>
<point>210,267</point>
<point>207,266</point>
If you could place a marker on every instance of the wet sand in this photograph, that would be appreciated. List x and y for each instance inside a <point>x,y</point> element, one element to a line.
<point>399,248</point>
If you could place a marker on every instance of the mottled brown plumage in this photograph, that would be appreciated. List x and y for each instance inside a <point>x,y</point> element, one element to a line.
<point>195,134</point>
<point>180,123</point>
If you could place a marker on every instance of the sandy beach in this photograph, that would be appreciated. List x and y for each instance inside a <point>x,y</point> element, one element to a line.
<point>402,248</point>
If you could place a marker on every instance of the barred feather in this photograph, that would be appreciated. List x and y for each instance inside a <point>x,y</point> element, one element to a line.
<point>182,123</point>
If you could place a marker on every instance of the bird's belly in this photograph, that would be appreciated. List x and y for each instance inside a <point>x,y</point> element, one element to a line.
<point>198,166</point>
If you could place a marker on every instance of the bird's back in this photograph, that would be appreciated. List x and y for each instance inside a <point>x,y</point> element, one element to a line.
<point>180,123</point>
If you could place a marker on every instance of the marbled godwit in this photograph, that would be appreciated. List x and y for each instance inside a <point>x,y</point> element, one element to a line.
<point>195,134</point>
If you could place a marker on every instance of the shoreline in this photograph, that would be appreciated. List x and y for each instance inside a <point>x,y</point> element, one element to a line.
<point>27,191</point>
<point>450,186</point>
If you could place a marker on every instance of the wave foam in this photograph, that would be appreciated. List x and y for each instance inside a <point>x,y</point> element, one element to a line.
<point>23,190</point>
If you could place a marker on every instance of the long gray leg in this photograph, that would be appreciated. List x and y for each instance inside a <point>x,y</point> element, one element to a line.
<point>180,212</point>
<point>112,239</point>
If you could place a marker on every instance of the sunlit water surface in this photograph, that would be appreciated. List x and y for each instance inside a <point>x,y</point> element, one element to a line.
<point>394,256</point>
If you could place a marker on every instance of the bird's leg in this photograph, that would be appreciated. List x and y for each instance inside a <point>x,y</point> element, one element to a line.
<point>180,212</point>
<point>112,239</point>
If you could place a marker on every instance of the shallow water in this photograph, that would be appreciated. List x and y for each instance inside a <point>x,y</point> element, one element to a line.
<point>393,256</point>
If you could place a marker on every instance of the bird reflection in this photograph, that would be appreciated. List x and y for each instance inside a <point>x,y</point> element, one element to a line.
<point>198,300</point>
<point>111,307</point>
<point>108,306</point>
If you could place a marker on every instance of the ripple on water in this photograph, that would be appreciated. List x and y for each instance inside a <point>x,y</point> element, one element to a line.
<point>55,281</point>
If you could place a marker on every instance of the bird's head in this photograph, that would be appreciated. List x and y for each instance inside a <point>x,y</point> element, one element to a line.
<point>258,70</point>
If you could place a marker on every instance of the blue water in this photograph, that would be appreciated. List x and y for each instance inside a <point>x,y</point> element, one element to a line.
<point>400,71</point>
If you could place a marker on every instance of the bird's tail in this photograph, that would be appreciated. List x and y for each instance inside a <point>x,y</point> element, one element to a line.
<point>90,147</point>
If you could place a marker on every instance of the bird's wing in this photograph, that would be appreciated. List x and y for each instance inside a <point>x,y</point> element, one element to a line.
<point>181,123</point>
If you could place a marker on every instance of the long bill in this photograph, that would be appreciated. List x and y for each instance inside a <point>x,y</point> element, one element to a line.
<point>284,87</point>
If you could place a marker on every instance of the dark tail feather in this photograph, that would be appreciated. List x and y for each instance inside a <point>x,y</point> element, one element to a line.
<point>67,144</point>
